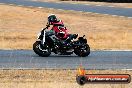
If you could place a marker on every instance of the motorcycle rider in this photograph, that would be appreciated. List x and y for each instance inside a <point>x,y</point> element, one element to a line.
<point>59,29</point>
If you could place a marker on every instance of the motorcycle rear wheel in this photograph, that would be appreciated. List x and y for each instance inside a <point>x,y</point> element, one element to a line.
<point>82,51</point>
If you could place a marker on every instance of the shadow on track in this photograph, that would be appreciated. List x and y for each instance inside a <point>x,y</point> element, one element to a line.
<point>61,56</point>
<point>56,56</point>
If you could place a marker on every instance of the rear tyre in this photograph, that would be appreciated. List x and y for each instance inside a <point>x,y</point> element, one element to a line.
<point>43,51</point>
<point>82,51</point>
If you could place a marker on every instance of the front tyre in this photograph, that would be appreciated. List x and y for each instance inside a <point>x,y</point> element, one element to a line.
<point>82,51</point>
<point>43,51</point>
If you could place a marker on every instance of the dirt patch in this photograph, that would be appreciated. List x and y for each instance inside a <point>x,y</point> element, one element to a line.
<point>19,27</point>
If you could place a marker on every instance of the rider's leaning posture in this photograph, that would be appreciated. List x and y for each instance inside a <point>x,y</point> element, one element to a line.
<point>58,41</point>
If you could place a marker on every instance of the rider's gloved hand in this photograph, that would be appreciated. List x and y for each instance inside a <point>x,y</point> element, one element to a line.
<point>48,24</point>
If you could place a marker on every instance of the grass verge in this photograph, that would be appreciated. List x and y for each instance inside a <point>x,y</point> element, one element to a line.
<point>53,79</point>
<point>20,25</point>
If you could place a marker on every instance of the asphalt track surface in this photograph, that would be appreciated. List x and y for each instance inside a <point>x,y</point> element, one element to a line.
<point>127,12</point>
<point>27,59</point>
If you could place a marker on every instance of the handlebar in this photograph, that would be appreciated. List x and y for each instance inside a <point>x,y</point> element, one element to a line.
<point>83,35</point>
<point>47,26</point>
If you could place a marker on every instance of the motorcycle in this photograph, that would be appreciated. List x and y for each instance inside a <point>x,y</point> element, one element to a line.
<point>47,42</point>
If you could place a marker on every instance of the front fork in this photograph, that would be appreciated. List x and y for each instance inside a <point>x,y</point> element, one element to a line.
<point>43,41</point>
<point>41,36</point>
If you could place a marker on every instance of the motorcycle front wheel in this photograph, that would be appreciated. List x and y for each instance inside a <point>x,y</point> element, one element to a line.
<point>43,51</point>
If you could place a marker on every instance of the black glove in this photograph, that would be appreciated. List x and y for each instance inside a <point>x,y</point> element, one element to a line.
<point>47,26</point>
